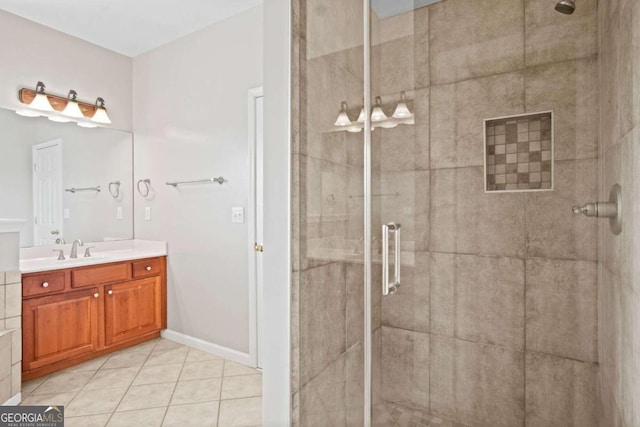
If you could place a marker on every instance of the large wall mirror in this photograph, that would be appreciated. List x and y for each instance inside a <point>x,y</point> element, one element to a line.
<point>68,182</point>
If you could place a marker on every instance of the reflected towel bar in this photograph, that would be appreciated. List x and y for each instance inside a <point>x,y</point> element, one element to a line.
<point>73,190</point>
<point>220,180</point>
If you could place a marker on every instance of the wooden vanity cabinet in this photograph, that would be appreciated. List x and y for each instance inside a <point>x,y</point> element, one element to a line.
<point>73,315</point>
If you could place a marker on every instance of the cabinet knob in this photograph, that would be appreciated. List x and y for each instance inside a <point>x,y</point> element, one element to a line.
<point>148,268</point>
<point>96,295</point>
<point>110,292</point>
<point>45,284</point>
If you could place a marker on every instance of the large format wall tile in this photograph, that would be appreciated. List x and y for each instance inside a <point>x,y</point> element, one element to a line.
<point>476,384</point>
<point>561,87</point>
<point>409,307</point>
<point>466,220</point>
<point>405,367</point>
<point>458,111</point>
<point>552,229</point>
<point>560,392</point>
<point>479,299</point>
<point>562,304</point>
<point>322,318</point>
<point>553,37</point>
<point>473,38</point>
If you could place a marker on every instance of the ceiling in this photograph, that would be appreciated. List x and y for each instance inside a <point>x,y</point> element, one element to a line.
<point>388,8</point>
<point>129,27</point>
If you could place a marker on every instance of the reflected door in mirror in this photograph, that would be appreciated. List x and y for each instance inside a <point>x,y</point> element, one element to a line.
<point>47,192</point>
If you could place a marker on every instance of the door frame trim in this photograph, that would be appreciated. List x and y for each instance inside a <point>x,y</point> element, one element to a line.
<point>254,292</point>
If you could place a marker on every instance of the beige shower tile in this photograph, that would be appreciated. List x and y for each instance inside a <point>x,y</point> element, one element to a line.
<point>322,318</point>
<point>562,304</point>
<point>552,229</point>
<point>396,61</point>
<point>553,37</point>
<point>405,357</point>
<point>409,308</point>
<point>569,89</point>
<point>457,113</point>
<point>475,384</point>
<point>478,298</point>
<point>489,42</point>
<point>354,304</point>
<point>560,392</point>
<point>465,219</point>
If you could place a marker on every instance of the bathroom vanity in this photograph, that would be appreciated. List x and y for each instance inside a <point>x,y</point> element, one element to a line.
<point>75,312</point>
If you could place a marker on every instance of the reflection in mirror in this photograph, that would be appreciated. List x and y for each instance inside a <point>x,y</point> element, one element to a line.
<point>62,179</point>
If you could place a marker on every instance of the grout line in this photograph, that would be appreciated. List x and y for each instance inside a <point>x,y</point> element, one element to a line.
<point>224,363</point>
<point>175,385</point>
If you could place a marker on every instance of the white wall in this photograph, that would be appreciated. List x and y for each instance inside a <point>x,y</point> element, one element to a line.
<point>277,221</point>
<point>190,122</point>
<point>32,52</point>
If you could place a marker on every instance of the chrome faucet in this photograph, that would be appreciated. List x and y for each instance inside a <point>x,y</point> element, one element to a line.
<point>74,248</point>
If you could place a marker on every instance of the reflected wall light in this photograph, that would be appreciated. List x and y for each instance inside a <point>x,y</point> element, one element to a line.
<point>343,116</point>
<point>401,115</point>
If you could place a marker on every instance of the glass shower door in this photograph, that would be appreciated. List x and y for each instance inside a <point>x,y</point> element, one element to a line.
<point>400,182</point>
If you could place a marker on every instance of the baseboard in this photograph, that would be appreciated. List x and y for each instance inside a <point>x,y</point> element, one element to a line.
<point>14,401</point>
<point>215,349</point>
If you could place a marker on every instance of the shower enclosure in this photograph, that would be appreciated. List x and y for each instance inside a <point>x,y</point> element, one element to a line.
<point>439,274</point>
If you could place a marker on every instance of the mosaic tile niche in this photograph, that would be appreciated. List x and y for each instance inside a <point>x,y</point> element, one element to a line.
<point>519,153</point>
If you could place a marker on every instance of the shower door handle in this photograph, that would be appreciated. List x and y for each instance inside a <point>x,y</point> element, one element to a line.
<point>387,287</point>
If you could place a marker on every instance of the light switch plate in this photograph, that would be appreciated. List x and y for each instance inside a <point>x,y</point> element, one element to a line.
<point>147,213</point>
<point>119,212</point>
<point>237,215</point>
<point>65,213</point>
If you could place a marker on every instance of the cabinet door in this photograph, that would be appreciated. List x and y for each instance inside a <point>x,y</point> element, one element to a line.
<point>132,309</point>
<point>59,327</point>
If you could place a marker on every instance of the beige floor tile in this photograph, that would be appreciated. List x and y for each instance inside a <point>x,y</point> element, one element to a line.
<point>164,344</point>
<point>195,415</point>
<point>112,378</point>
<point>147,396</point>
<point>233,368</point>
<point>164,357</point>
<point>241,386</point>
<point>56,399</point>
<point>90,402</point>
<point>140,418</point>
<point>64,382</point>
<point>202,370</point>
<point>90,365</point>
<point>29,386</point>
<point>88,421</point>
<point>200,356</point>
<point>157,374</point>
<point>126,359</point>
<point>240,412</point>
<point>196,391</point>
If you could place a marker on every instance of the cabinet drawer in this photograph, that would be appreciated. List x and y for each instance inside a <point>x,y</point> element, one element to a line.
<point>42,284</point>
<point>92,276</point>
<point>146,268</point>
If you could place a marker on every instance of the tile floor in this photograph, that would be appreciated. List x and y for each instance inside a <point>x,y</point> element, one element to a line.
<point>157,383</point>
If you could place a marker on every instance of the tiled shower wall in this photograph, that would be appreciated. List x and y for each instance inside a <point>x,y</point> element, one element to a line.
<point>495,324</point>
<point>619,256</point>
<point>10,334</point>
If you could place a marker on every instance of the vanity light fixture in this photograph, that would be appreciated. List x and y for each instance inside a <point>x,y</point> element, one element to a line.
<point>41,101</point>
<point>63,109</point>
<point>402,111</point>
<point>100,115</point>
<point>343,116</point>
<point>401,115</point>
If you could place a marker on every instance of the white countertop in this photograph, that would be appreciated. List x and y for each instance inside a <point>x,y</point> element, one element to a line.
<point>42,258</point>
<point>8,225</point>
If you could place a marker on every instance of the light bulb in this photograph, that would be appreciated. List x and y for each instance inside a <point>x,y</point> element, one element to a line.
<point>361,116</point>
<point>41,102</point>
<point>377,115</point>
<point>402,111</point>
<point>101,115</point>
<point>73,109</point>
<point>343,117</point>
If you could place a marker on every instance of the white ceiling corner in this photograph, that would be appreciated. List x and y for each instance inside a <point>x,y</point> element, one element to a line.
<point>129,27</point>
